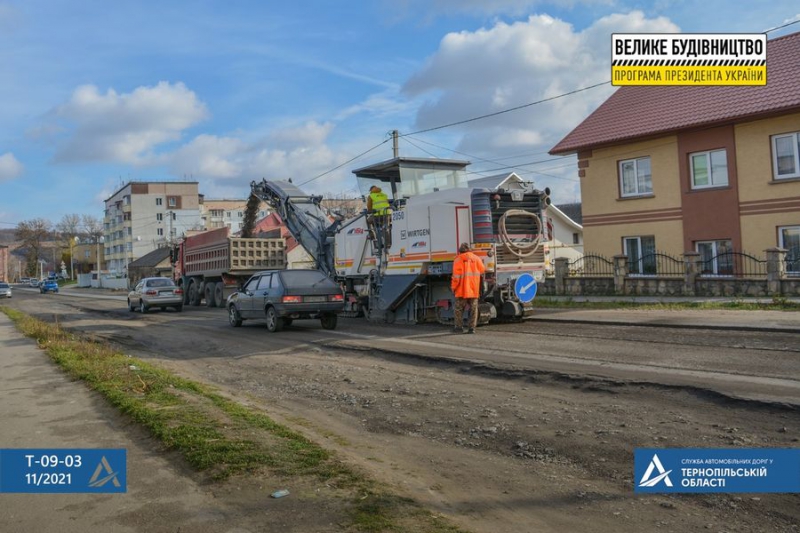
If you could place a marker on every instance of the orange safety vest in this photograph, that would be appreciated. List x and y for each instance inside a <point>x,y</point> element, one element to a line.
<point>467,271</point>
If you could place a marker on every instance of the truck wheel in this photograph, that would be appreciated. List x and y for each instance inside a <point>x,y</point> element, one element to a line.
<point>219,293</point>
<point>186,299</point>
<point>329,321</point>
<point>274,322</point>
<point>234,317</point>
<point>194,292</point>
<point>211,301</point>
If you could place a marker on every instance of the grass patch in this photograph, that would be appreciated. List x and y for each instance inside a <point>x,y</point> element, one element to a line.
<point>218,436</point>
<point>776,304</point>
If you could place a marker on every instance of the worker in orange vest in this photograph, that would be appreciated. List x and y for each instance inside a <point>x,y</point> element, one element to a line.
<point>466,284</point>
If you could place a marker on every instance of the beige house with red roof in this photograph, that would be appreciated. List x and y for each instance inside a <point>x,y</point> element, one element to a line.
<point>706,169</point>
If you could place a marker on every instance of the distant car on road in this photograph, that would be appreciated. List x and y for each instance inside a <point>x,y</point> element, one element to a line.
<point>48,285</point>
<point>155,292</point>
<point>25,280</point>
<point>5,290</point>
<point>281,296</point>
<point>33,282</point>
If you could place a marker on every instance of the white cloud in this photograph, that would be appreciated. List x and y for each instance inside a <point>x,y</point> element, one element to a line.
<point>126,128</point>
<point>10,167</point>
<point>508,65</point>
<point>225,166</point>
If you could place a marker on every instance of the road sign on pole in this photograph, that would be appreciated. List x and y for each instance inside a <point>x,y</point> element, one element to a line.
<point>525,287</point>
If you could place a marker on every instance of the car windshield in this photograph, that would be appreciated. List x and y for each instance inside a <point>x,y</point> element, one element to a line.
<point>164,282</point>
<point>3,285</point>
<point>303,278</point>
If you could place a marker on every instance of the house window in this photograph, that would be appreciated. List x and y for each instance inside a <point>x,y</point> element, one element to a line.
<point>786,155</point>
<point>789,238</point>
<point>576,238</point>
<point>129,246</point>
<point>160,231</point>
<point>159,201</point>
<point>174,216</point>
<point>709,169</point>
<point>172,201</point>
<point>159,216</point>
<point>635,178</point>
<point>641,254</point>
<point>716,257</point>
<point>241,214</point>
<point>228,214</point>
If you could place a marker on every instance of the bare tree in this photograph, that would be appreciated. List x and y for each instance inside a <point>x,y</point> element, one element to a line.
<point>32,234</point>
<point>92,227</point>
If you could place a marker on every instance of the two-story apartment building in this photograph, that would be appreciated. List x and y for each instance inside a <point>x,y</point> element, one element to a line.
<point>705,169</point>
<point>143,216</point>
<point>227,213</point>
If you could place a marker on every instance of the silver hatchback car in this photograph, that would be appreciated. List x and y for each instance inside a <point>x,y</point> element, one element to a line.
<point>155,292</point>
<point>5,290</point>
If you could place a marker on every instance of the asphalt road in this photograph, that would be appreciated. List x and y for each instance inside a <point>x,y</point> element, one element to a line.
<point>448,419</point>
<point>731,356</point>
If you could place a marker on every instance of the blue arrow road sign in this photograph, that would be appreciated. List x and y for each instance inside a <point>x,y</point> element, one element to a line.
<point>525,287</point>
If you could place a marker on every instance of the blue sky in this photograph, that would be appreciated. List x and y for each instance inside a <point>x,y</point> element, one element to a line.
<point>98,93</point>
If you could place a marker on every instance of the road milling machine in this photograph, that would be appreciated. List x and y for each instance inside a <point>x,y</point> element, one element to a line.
<point>397,268</point>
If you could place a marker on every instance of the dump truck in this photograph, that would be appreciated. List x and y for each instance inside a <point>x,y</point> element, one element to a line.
<point>211,265</point>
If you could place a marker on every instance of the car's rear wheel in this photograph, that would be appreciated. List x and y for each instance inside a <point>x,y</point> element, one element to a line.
<point>274,322</point>
<point>143,307</point>
<point>329,321</point>
<point>234,317</point>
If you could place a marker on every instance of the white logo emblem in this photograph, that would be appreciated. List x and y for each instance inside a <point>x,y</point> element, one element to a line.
<point>655,464</point>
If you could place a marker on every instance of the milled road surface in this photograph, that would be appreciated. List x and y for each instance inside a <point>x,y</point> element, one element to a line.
<point>522,427</point>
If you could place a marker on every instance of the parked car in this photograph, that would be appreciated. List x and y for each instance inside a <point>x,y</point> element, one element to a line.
<point>48,285</point>
<point>155,292</point>
<point>281,296</point>
<point>33,282</point>
<point>25,280</point>
<point>5,290</point>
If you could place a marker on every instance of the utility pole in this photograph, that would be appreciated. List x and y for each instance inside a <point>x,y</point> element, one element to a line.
<point>99,278</point>
<point>395,145</point>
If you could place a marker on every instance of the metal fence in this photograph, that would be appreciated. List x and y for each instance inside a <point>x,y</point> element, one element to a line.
<point>657,264</point>
<point>591,265</point>
<point>734,264</point>
<point>793,263</point>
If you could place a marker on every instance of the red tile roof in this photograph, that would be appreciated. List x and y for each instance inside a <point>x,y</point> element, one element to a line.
<point>647,111</point>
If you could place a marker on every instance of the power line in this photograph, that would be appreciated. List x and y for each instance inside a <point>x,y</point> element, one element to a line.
<point>362,154</point>
<point>782,26</point>
<point>517,108</point>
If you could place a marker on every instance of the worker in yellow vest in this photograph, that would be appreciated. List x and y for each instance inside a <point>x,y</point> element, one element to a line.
<point>379,214</point>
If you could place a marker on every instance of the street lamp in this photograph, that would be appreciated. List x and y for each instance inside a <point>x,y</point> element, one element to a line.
<point>42,262</point>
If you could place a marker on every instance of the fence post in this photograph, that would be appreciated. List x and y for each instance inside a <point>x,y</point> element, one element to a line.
<point>562,272</point>
<point>691,263</point>
<point>620,273</point>
<point>776,270</point>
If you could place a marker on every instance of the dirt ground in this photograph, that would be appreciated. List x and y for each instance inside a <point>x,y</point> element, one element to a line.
<point>492,448</point>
